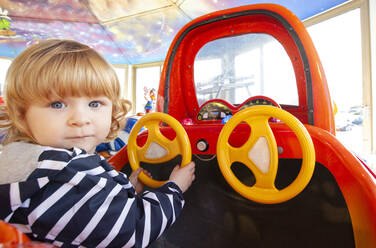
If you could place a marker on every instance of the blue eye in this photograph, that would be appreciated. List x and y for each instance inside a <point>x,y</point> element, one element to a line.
<point>94,104</point>
<point>57,105</point>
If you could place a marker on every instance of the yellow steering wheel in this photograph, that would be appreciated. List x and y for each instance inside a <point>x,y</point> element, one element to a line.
<point>158,148</point>
<point>260,154</point>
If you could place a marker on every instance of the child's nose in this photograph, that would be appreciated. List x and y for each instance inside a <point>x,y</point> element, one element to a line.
<point>78,118</point>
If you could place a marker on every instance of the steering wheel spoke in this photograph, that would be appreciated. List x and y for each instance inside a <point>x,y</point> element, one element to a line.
<point>154,133</point>
<point>265,181</point>
<point>258,124</point>
<point>236,154</point>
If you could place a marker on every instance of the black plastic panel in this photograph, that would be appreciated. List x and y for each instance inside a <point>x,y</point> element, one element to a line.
<point>216,216</point>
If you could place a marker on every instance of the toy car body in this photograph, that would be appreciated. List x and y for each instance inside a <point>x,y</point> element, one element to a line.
<point>336,209</point>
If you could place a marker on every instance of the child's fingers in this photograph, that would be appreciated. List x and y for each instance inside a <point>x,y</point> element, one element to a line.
<point>177,167</point>
<point>147,173</point>
<point>137,172</point>
<point>190,167</point>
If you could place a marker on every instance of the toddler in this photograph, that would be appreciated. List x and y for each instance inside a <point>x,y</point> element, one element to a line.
<point>61,100</point>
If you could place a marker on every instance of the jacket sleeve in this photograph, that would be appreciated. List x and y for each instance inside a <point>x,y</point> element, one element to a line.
<point>94,206</point>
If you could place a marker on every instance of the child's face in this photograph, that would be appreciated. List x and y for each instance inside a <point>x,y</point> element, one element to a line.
<point>82,122</point>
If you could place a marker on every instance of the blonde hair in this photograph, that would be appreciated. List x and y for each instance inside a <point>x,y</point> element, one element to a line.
<point>57,68</point>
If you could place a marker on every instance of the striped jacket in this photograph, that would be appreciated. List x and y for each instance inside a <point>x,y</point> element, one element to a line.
<point>74,199</point>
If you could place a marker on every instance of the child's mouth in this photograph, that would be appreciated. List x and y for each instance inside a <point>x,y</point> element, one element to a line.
<point>79,137</point>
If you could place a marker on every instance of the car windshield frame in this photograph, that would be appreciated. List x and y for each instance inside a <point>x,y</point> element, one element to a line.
<point>178,66</point>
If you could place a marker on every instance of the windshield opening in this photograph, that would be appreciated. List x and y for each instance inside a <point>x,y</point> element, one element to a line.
<point>239,67</point>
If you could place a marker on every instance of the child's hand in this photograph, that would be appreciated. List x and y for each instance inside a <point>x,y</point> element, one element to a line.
<point>183,177</point>
<point>137,184</point>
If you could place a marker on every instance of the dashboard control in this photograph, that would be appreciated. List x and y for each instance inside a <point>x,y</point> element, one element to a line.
<point>202,145</point>
<point>214,110</point>
<point>218,110</point>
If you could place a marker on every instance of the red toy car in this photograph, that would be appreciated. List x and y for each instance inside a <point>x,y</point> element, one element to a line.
<point>273,175</point>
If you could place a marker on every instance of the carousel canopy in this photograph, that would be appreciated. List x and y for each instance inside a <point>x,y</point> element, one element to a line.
<point>123,31</point>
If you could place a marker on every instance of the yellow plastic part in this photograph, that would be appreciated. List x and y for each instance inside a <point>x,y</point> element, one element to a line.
<point>335,108</point>
<point>179,145</point>
<point>264,190</point>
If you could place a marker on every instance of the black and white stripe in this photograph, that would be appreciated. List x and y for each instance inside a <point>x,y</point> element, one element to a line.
<point>74,199</point>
